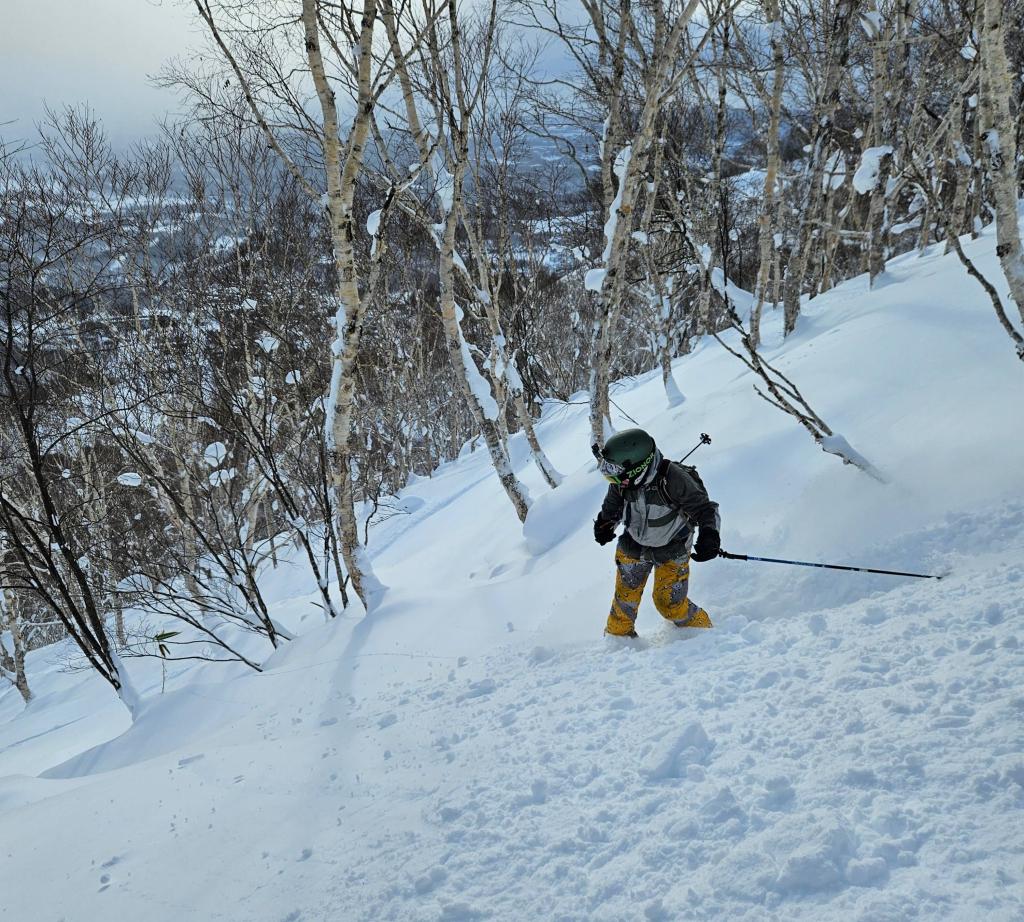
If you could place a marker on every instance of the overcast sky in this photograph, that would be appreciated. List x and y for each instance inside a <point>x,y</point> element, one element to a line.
<point>100,52</point>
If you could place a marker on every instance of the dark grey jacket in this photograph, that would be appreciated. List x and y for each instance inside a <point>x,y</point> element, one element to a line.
<point>660,515</point>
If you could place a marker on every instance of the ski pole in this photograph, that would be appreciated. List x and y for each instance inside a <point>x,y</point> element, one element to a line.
<point>826,566</point>
<point>705,439</point>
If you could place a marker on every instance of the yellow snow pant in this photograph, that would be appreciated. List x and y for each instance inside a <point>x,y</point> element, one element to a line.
<point>671,581</point>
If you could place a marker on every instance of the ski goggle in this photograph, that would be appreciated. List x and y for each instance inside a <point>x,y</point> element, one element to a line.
<point>610,469</point>
<point>619,473</point>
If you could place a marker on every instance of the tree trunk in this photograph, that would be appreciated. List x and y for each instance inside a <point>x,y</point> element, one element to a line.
<point>480,401</point>
<point>771,176</point>
<point>475,389</point>
<point>880,134</point>
<point>837,54</point>
<point>350,315</point>
<point>12,664</point>
<point>665,51</point>
<point>999,139</point>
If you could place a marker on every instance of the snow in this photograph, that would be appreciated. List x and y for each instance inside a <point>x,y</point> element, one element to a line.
<point>129,479</point>
<point>839,747</point>
<point>620,168</point>
<point>871,23</point>
<point>673,394</point>
<point>226,243</point>
<point>835,444</point>
<point>593,280</point>
<point>215,454</point>
<point>478,385</point>
<point>222,477</point>
<point>835,172</point>
<point>990,138</point>
<point>741,300</point>
<point>268,343</point>
<point>749,184</point>
<point>460,264</point>
<point>373,222</point>
<point>866,177</point>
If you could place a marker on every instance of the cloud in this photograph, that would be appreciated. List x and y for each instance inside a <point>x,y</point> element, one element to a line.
<point>97,52</point>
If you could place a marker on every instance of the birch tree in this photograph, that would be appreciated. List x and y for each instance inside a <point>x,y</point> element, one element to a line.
<point>454,83</point>
<point>835,50</point>
<point>767,219</point>
<point>339,54</point>
<point>495,144</point>
<point>664,57</point>
<point>50,226</point>
<point>12,640</point>
<point>999,136</point>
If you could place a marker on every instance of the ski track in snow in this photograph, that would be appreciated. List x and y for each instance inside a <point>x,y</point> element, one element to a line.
<point>839,747</point>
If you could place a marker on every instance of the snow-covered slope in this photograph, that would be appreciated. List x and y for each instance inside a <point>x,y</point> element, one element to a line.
<point>840,746</point>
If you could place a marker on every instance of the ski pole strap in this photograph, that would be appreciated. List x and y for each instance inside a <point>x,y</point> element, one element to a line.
<point>826,566</point>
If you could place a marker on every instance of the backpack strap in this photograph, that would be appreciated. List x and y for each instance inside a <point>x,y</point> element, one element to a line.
<point>659,480</point>
<point>660,483</point>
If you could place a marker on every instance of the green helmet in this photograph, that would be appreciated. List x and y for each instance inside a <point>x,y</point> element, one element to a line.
<point>627,456</point>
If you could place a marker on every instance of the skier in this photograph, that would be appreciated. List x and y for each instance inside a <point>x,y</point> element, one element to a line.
<point>660,503</point>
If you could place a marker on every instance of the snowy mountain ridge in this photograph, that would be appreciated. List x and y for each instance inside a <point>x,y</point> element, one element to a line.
<point>840,746</point>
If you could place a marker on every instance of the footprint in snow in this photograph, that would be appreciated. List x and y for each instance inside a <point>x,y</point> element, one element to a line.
<point>429,881</point>
<point>540,655</point>
<point>478,689</point>
<point>538,794</point>
<point>670,756</point>
<point>459,912</point>
<point>778,793</point>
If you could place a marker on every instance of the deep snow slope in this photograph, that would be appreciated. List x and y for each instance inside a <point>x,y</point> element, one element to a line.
<point>839,747</point>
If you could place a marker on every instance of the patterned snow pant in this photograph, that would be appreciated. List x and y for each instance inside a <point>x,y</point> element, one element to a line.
<point>671,581</point>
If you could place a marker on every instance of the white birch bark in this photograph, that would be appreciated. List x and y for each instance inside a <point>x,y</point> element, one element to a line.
<point>12,662</point>
<point>880,135</point>
<point>481,403</point>
<point>999,139</point>
<point>766,223</point>
<point>342,165</point>
<point>504,376</point>
<point>658,85</point>
<point>455,103</point>
<point>805,238</point>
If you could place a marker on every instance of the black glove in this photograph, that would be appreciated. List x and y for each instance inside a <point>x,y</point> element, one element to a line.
<point>604,531</point>
<point>709,543</point>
